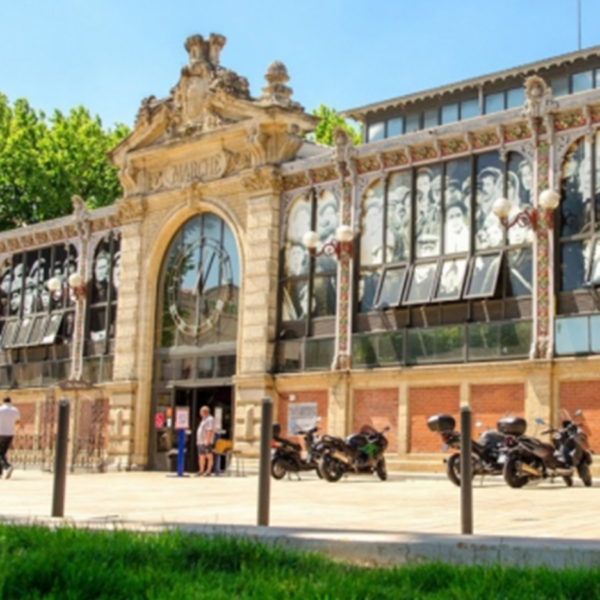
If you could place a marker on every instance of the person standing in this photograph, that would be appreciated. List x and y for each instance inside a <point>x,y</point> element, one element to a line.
<point>205,440</point>
<point>9,417</point>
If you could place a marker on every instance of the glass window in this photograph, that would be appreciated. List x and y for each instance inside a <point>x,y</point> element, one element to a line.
<point>364,353</point>
<point>449,113</point>
<point>515,98</point>
<point>582,82</point>
<point>421,283</point>
<point>226,366</point>
<point>572,336</point>
<point>595,333</point>
<point>439,344</point>
<point>413,122</point>
<point>431,118</point>
<point>371,240</point>
<point>572,266</point>
<point>520,272</point>
<point>324,296</point>
<point>469,109</point>
<point>367,290</point>
<point>483,276</point>
<point>327,223</point>
<point>560,87</point>
<point>395,126</point>
<point>391,287</point>
<point>289,355</point>
<point>376,131</point>
<point>494,103</point>
<point>391,348</point>
<point>450,282</point>
<point>594,254</point>
<point>597,77</point>
<point>319,354</point>
<point>490,187</point>
<point>398,216</point>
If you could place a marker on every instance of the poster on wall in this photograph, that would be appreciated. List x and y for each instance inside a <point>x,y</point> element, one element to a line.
<point>182,417</point>
<point>301,416</point>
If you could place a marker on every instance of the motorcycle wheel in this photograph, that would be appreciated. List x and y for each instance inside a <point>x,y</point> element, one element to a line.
<point>568,481</point>
<point>453,469</point>
<point>583,470</point>
<point>381,470</point>
<point>278,469</point>
<point>331,469</point>
<point>511,473</point>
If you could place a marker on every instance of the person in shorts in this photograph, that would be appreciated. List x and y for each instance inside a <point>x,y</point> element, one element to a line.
<point>205,441</point>
<point>9,418</point>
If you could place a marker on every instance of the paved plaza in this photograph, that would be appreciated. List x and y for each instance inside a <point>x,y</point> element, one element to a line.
<point>402,504</point>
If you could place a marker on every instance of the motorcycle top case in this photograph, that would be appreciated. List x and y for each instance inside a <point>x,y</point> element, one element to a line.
<point>512,425</point>
<point>441,423</point>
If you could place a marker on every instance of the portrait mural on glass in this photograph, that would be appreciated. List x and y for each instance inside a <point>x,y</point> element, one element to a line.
<point>457,204</point>
<point>490,187</point>
<point>399,216</point>
<point>104,288</point>
<point>579,215</point>
<point>428,223</point>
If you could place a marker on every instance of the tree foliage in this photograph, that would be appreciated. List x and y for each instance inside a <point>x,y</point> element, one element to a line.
<point>44,161</point>
<point>330,119</point>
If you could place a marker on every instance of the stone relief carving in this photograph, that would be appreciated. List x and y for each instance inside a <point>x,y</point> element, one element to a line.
<point>131,210</point>
<point>81,216</point>
<point>538,101</point>
<point>263,178</point>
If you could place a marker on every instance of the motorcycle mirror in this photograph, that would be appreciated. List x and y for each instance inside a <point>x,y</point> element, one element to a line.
<point>539,421</point>
<point>578,412</point>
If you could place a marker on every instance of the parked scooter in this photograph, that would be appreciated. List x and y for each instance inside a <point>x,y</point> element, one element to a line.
<point>360,453</point>
<point>286,456</point>
<point>489,451</point>
<point>531,458</point>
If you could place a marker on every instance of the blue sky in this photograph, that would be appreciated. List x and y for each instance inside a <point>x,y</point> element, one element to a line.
<point>109,54</point>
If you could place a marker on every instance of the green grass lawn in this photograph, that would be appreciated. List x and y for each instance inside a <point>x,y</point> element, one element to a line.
<point>69,564</point>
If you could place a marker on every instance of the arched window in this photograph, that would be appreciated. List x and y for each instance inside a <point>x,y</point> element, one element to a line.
<point>198,302</point>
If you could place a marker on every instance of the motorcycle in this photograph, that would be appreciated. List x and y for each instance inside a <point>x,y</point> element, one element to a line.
<point>286,456</point>
<point>531,458</point>
<point>360,453</point>
<point>488,452</point>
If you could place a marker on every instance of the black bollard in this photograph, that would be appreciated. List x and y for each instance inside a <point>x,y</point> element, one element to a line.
<point>264,469</point>
<point>60,458</point>
<point>466,472</point>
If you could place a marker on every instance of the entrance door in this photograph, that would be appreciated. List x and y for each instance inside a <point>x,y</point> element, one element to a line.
<point>220,402</point>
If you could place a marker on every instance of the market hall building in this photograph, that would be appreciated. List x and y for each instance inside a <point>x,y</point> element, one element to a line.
<point>197,286</point>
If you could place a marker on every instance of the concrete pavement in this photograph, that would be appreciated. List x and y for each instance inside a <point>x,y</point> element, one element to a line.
<point>402,504</point>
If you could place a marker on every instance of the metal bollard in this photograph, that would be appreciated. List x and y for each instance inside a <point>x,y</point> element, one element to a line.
<point>180,451</point>
<point>264,472</point>
<point>60,458</point>
<point>466,472</point>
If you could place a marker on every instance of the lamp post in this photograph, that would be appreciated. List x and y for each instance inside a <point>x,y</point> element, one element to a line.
<point>342,243</point>
<point>529,216</point>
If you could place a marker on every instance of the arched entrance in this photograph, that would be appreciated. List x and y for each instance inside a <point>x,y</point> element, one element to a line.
<point>196,334</point>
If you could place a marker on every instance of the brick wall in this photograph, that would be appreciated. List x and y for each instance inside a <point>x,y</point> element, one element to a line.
<point>423,403</point>
<point>492,402</point>
<point>320,397</point>
<point>584,395</point>
<point>378,408</point>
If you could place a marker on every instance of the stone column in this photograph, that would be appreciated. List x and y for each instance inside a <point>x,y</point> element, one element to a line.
<point>131,439</point>
<point>258,303</point>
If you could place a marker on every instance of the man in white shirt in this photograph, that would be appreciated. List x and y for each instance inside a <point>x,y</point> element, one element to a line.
<point>9,417</point>
<point>205,440</point>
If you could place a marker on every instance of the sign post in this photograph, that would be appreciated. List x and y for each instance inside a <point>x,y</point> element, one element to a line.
<point>264,471</point>
<point>182,422</point>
